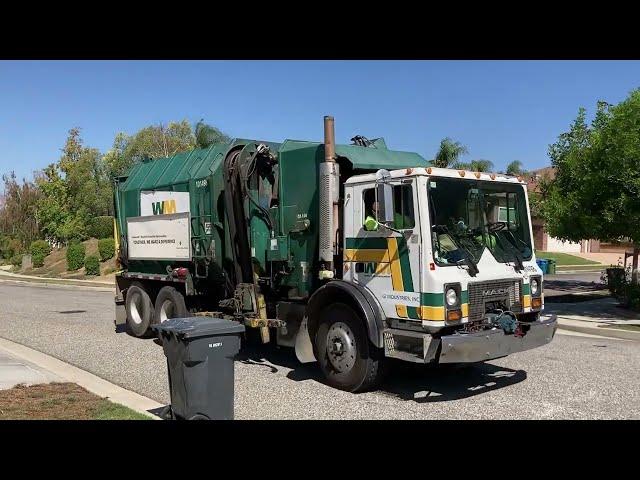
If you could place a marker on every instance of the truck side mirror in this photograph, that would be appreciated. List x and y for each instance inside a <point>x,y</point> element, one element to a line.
<point>385,202</point>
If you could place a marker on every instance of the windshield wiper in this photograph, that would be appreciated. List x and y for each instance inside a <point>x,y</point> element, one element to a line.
<point>473,266</point>
<point>469,258</point>
<point>514,250</point>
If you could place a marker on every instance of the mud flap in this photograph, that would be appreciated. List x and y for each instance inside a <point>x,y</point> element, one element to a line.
<point>304,348</point>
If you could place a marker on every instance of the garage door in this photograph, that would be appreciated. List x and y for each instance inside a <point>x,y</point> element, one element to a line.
<point>556,245</point>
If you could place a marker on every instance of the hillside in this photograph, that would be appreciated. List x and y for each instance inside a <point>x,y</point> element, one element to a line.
<point>55,265</point>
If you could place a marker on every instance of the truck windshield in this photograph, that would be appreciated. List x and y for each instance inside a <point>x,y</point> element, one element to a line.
<point>468,216</point>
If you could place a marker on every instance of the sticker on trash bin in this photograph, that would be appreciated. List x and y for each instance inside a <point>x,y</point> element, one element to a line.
<point>215,345</point>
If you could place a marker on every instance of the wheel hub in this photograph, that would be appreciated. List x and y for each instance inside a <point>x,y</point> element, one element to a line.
<point>136,308</point>
<point>341,347</point>
<point>166,311</point>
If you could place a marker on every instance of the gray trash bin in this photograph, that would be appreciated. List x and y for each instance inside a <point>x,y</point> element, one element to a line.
<point>200,355</point>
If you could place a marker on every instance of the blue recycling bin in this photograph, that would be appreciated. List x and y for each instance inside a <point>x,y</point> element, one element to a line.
<point>543,263</point>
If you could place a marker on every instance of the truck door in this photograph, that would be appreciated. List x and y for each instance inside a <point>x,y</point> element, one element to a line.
<point>386,262</point>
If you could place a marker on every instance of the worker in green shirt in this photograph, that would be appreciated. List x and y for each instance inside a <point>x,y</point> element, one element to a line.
<point>400,221</point>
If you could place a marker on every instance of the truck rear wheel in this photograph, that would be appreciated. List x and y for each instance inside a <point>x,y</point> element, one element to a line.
<point>169,304</point>
<point>139,310</point>
<point>346,357</point>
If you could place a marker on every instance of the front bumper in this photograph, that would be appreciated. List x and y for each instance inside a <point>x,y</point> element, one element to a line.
<point>421,347</point>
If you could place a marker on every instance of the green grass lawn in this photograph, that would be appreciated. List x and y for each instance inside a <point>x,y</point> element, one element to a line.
<point>564,258</point>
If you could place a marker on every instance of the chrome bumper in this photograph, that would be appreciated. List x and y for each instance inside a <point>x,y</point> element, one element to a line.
<point>467,347</point>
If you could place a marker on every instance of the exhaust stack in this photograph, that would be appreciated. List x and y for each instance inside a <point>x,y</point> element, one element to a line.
<point>329,195</point>
<point>329,140</point>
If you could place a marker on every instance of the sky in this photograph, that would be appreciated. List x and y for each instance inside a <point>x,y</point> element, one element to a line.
<point>501,110</point>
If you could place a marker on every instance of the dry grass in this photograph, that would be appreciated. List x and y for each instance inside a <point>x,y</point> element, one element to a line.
<point>55,265</point>
<point>60,401</point>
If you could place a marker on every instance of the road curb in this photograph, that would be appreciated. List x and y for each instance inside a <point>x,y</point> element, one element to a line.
<point>600,331</point>
<point>87,380</point>
<point>57,282</point>
<point>20,276</point>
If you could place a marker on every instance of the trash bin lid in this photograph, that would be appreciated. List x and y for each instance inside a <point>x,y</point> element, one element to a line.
<point>200,327</point>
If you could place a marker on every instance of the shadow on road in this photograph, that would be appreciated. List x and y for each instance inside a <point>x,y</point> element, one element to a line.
<point>572,285</point>
<point>406,381</point>
<point>419,383</point>
<point>443,383</point>
<point>604,310</point>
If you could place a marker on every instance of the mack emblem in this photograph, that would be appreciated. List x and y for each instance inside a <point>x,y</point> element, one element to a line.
<point>495,291</point>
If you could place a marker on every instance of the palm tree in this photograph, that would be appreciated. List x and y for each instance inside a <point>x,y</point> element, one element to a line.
<point>448,153</point>
<point>207,135</point>
<point>481,165</point>
<point>461,166</point>
<point>515,168</point>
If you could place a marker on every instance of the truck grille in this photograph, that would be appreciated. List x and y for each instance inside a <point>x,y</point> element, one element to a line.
<point>480,293</point>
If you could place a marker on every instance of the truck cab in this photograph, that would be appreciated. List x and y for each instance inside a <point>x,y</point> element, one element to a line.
<point>452,265</point>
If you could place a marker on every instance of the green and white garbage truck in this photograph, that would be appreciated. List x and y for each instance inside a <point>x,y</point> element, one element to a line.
<point>351,254</point>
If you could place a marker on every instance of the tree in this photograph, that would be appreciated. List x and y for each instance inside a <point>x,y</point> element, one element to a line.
<point>448,153</point>
<point>596,189</point>
<point>18,214</point>
<point>515,168</point>
<point>159,141</point>
<point>207,135</point>
<point>53,208</point>
<point>115,160</point>
<point>74,190</point>
<point>474,165</point>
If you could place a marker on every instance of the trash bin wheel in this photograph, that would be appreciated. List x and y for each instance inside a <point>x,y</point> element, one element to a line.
<point>197,416</point>
<point>139,310</point>
<point>167,413</point>
<point>347,358</point>
<point>169,304</point>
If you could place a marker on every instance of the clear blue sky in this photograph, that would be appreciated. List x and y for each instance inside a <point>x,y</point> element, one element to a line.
<point>502,110</point>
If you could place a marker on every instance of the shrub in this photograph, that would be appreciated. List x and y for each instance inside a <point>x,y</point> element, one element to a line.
<point>632,296</point>
<point>92,265</point>
<point>106,248</point>
<point>619,282</point>
<point>616,280</point>
<point>16,259</point>
<point>39,250</point>
<point>101,227</point>
<point>9,247</point>
<point>75,256</point>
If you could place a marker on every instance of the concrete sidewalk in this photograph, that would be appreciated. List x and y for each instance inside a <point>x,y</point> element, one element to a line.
<point>595,317</point>
<point>20,364</point>
<point>15,370</point>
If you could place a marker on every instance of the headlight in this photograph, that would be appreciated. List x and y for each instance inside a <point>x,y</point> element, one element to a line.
<point>452,297</point>
<point>535,286</point>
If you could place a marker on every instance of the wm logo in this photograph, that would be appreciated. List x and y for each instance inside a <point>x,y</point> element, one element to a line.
<point>164,207</point>
<point>369,268</point>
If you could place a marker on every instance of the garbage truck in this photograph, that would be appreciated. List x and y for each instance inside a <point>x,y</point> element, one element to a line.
<point>351,254</point>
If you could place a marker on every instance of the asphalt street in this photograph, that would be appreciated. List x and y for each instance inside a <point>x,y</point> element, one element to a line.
<point>574,377</point>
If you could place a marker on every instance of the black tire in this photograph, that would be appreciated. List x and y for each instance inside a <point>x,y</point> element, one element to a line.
<point>351,363</point>
<point>139,310</point>
<point>169,304</point>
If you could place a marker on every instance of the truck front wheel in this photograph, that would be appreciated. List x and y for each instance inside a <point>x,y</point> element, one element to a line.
<point>139,310</point>
<point>346,357</point>
<point>169,304</point>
